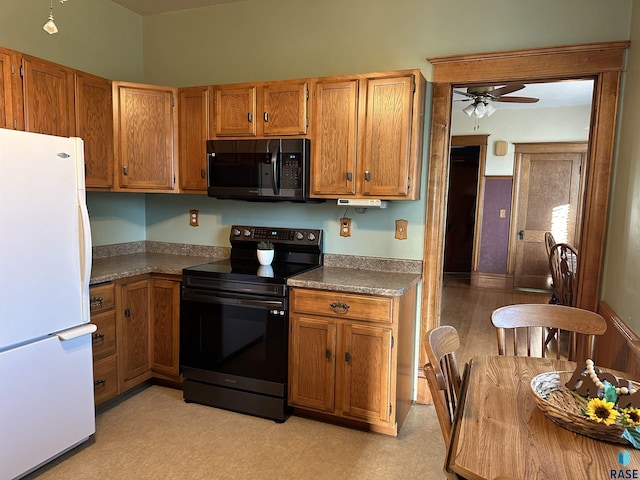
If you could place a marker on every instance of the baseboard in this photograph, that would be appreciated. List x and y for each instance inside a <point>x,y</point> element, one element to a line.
<point>619,347</point>
<point>502,281</point>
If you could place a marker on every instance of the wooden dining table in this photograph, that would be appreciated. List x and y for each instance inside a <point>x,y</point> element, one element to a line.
<point>499,431</point>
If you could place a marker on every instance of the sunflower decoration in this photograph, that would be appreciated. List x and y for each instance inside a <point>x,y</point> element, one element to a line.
<point>601,411</point>
<point>605,410</point>
<point>630,416</point>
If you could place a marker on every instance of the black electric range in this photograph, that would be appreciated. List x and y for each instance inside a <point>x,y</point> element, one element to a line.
<point>234,321</point>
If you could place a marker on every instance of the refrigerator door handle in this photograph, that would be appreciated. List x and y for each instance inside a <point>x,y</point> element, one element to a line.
<point>77,332</point>
<point>86,254</point>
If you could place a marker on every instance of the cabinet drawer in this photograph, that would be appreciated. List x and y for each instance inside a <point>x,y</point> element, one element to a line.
<point>101,298</point>
<point>104,339</point>
<point>105,379</point>
<point>342,305</point>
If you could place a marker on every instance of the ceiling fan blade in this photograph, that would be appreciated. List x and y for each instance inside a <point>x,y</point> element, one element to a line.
<point>516,99</point>
<point>512,87</point>
<point>459,92</point>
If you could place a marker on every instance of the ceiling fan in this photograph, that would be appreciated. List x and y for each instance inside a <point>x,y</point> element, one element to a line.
<point>481,96</point>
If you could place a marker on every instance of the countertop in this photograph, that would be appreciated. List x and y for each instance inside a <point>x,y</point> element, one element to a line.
<point>121,266</point>
<point>340,273</point>
<point>351,280</point>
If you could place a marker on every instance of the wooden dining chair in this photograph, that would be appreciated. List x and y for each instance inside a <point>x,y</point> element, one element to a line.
<point>443,375</point>
<point>563,263</point>
<point>526,321</point>
<point>549,243</point>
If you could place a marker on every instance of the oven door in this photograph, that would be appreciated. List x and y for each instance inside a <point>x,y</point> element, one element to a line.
<point>234,340</point>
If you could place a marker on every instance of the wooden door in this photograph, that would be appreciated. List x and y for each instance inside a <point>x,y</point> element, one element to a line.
<point>194,131</point>
<point>145,136</point>
<point>7,116</point>
<point>548,185</point>
<point>48,97</point>
<point>284,108</point>
<point>366,365</point>
<point>134,347</point>
<point>165,326</point>
<point>94,124</point>
<point>387,143</point>
<point>235,111</point>
<point>312,362</point>
<point>335,117</point>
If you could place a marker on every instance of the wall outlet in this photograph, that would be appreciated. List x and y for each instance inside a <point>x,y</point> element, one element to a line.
<point>345,227</point>
<point>193,218</point>
<point>401,229</point>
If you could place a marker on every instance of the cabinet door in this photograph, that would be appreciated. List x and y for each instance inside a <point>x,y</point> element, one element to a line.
<point>134,347</point>
<point>387,143</point>
<point>7,115</point>
<point>165,318</point>
<point>94,124</point>
<point>365,355</point>
<point>48,97</point>
<point>145,137</point>
<point>235,111</point>
<point>193,105</point>
<point>284,109</point>
<point>312,359</point>
<point>333,162</point>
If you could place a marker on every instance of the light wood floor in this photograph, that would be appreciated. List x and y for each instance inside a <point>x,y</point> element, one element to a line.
<point>469,309</point>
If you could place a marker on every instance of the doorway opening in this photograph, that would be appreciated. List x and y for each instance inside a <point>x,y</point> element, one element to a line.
<point>461,211</point>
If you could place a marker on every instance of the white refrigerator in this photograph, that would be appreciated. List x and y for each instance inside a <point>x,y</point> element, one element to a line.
<point>46,374</point>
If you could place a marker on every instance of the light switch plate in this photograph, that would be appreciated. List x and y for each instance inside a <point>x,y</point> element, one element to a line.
<point>401,229</point>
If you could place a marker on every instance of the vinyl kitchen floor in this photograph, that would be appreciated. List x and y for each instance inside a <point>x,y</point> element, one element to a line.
<point>156,435</point>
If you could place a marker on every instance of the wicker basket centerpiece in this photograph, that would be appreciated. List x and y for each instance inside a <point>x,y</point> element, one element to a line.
<point>567,408</point>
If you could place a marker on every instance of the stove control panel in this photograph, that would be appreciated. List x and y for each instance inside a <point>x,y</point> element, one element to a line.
<point>289,236</point>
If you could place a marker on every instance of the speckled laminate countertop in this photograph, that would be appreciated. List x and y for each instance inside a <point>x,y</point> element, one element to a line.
<point>121,266</point>
<point>372,282</point>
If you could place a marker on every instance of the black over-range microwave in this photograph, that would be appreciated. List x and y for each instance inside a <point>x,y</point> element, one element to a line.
<point>265,169</point>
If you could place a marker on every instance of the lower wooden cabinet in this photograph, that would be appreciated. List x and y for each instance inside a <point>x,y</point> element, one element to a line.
<point>165,328</point>
<point>351,356</point>
<point>148,329</point>
<point>105,346</point>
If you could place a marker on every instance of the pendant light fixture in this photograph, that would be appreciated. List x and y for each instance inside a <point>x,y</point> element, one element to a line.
<point>479,109</point>
<point>50,27</point>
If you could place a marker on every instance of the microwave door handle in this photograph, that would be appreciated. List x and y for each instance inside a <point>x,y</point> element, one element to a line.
<point>275,161</point>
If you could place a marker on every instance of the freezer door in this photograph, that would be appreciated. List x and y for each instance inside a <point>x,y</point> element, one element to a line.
<point>46,405</point>
<point>45,243</point>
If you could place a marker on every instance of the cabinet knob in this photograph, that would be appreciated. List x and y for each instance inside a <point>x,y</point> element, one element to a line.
<point>99,383</point>
<point>203,173</point>
<point>327,353</point>
<point>249,117</point>
<point>347,357</point>
<point>266,116</point>
<point>98,337</point>
<point>349,176</point>
<point>339,307</point>
<point>367,176</point>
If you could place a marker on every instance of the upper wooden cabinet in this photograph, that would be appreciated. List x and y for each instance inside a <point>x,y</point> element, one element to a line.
<point>269,108</point>
<point>193,105</point>
<point>8,117</point>
<point>48,90</point>
<point>367,136</point>
<point>94,124</point>
<point>145,137</point>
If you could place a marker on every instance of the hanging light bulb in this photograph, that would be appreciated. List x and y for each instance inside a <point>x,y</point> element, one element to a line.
<point>481,109</point>
<point>469,109</point>
<point>50,27</point>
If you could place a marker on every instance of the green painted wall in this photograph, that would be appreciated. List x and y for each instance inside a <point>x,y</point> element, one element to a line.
<point>96,36</point>
<point>622,256</point>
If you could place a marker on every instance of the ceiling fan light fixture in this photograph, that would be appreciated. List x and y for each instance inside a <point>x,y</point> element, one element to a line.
<point>490,109</point>
<point>469,109</point>
<point>481,109</point>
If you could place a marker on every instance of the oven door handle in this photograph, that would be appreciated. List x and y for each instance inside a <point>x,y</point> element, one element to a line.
<point>231,299</point>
